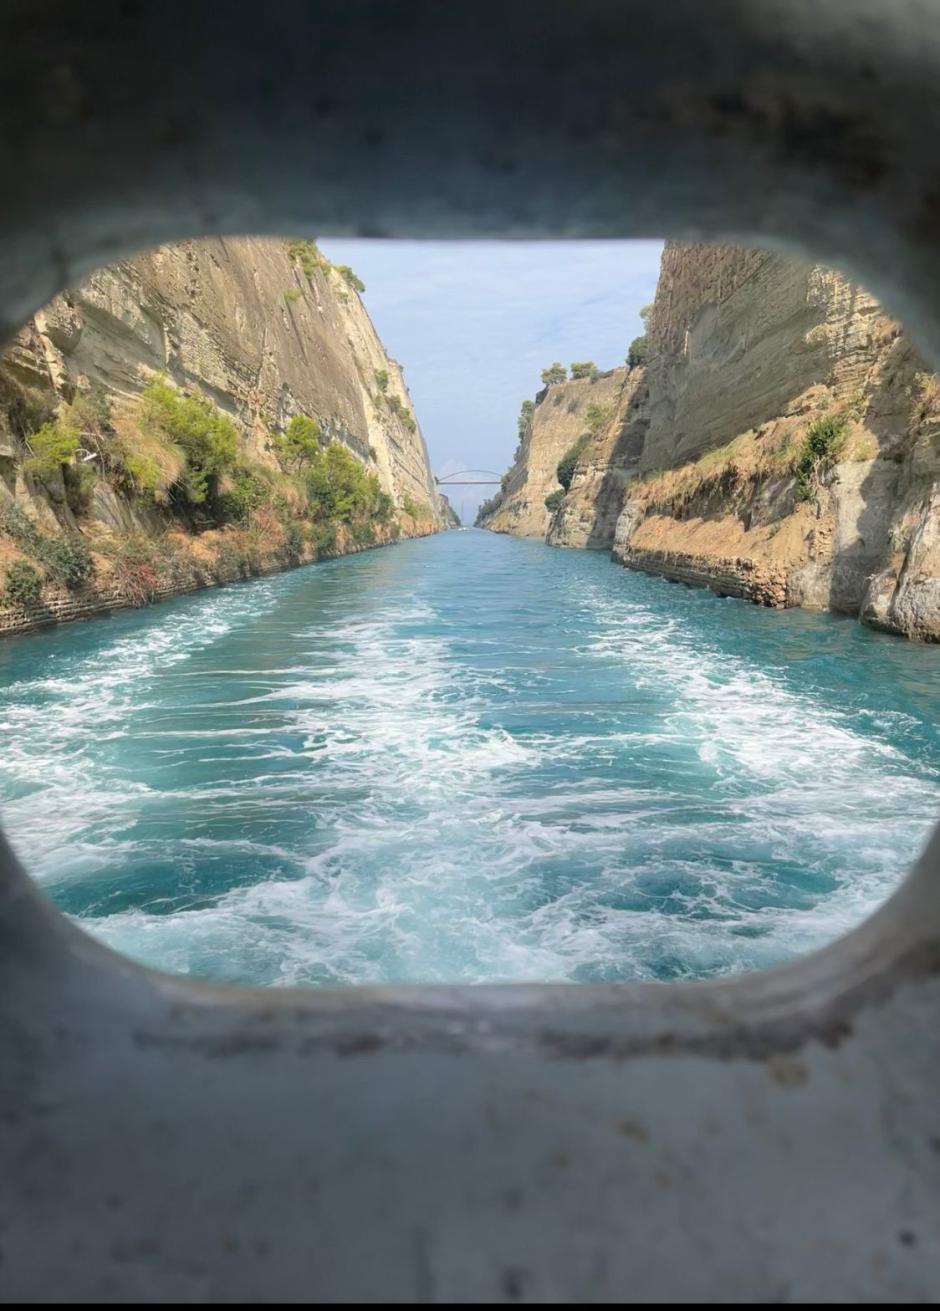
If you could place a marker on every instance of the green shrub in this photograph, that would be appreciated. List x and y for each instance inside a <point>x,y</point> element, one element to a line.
<point>584,369</point>
<point>381,380</point>
<point>14,524</point>
<point>554,500</point>
<point>23,587</point>
<point>489,507</point>
<point>638,352</point>
<point>306,255</point>
<point>525,417</point>
<point>144,474</point>
<point>415,509</point>
<point>26,408</point>
<point>401,411</point>
<point>246,493</point>
<point>566,465</point>
<point>348,276</point>
<point>82,429</point>
<point>322,537</point>
<point>293,538</point>
<point>205,436</point>
<point>231,558</point>
<point>299,443</point>
<point>79,484</point>
<point>818,452</point>
<point>363,532</point>
<point>52,446</point>
<point>65,559</point>
<point>338,487</point>
<point>595,416</point>
<point>293,294</point>
<point>554,373</point>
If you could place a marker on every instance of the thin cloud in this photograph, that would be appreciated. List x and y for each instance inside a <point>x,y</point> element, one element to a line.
<point>474,323</point>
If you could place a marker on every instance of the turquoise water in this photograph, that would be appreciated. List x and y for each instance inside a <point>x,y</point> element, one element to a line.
<point>467,758</point>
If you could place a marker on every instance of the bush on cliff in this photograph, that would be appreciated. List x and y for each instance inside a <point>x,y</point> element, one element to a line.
<point>554,500</point>
<point>25,408</point>
<point>65,559</point>
<point>525,417</point>
<point>207,439</point>
<point>595,416</point>
<point>489,507</point>
<point>76,445</point>
<point>246,490</point>
<point>346,273</point>
<point>51,447</point>
<point>584,369</point>
<point>564,471</point>
<point>299,443</point>
<point>413,509</point>
<point>23,586</point>
<point>638,352</point>
<point>306,255</point>
<point>339,488</point>
<point>554,373</point>
<point>401,412</point>
<point>818,452</point>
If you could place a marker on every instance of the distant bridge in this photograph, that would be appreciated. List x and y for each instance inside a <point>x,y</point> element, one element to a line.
<point>489,479</point>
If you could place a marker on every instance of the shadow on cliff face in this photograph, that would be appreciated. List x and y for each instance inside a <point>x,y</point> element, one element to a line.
<point>623,461</point>
<point>866,504</point>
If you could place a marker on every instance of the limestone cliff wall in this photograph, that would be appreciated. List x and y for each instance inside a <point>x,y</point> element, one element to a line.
<point>750,355</point>
<point>449,516</point>
<point>559,420</point>
<point>241,323</point>
<point>608,463</point>
<point>750,351</point>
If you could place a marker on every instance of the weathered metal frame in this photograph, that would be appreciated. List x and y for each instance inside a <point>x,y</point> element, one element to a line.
<point>774,1137</point>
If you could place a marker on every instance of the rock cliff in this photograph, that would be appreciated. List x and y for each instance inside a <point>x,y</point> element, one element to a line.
<point>782,443</point>
<point>449,516</point>
<point>559,420</point>
<point>276,349</point>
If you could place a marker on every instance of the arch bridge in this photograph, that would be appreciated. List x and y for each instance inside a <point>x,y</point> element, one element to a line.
<point>476,478</point>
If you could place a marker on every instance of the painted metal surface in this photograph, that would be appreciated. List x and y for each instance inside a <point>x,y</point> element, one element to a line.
<point>775,1137</point>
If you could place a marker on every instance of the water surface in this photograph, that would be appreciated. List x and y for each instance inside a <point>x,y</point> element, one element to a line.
<point>467,758</point>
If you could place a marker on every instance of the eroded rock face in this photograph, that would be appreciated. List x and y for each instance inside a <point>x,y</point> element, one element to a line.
<point>250,330</point>
<point>696,475</point>
<point>559,420</point>
<point>749,349</point>
<point>608,463</point>
<point>243,324</point>
<point>449,516</point>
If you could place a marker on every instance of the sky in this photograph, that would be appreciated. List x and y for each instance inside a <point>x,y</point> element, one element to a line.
<point>474,323</point>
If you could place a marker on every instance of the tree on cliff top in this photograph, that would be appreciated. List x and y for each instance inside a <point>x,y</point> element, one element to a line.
<point>638,352</point>
<point>584,369</point>
<point>554,373</point>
